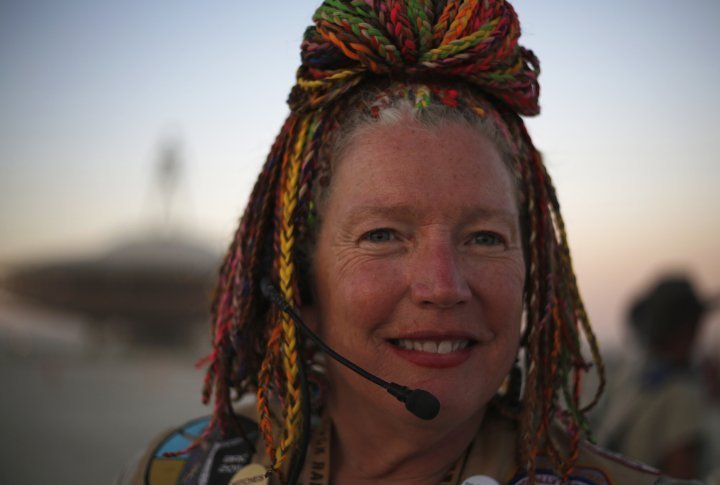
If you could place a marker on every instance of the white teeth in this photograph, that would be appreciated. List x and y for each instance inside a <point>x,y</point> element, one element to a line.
<point>432,346</point>
<point>460,344</point>
<point>445,347</point>
<point>429,346</point>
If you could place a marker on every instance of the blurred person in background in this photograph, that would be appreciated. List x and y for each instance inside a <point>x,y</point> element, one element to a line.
<point>657,407</point>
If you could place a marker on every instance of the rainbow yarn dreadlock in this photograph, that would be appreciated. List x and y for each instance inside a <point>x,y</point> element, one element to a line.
<point>472,44</point>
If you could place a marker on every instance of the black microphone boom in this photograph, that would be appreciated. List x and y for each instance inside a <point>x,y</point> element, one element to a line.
<point>421,403</point>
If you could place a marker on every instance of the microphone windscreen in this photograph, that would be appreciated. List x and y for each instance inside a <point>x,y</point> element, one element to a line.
<point>422,404</point>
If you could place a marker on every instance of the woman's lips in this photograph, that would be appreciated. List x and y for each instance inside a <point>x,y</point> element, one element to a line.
<point>436,353</point>
<point>433,346</point>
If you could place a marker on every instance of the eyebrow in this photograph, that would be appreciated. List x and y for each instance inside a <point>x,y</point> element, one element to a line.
<point>359,213</point>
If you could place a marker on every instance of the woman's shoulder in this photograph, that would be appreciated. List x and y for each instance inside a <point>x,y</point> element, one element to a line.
<point>494,450</point>
<point>621,469</point>
<point>613,467</point>
<point>609,467</point>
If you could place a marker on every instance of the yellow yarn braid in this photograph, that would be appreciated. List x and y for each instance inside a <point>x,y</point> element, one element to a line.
<point>286,272</point>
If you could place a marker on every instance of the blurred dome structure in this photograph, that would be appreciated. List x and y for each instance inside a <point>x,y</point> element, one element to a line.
<point>154,286</point>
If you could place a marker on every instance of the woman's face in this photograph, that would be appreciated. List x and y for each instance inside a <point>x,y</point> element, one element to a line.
<point>419,267</point>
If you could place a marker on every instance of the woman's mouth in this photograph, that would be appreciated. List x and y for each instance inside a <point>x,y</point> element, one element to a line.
<point>438,352</point>
<point>432,346</point>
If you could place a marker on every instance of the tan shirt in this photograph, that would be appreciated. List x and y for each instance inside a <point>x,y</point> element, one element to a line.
<point>490,459</point>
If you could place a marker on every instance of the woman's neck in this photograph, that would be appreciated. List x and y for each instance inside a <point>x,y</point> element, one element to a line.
<point>367,448</point>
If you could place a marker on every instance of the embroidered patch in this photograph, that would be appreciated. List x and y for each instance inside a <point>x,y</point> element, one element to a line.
<point>165,470</point>
<point>254,474</point>
<point>480,480</point>
<point>213,461</point>
<point>580,476</point>
<point>182,438</point>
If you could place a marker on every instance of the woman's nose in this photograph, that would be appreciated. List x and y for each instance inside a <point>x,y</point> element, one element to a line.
<point>436,276</point>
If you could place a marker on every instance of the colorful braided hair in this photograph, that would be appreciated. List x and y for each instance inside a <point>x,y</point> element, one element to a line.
<point>461,54</point>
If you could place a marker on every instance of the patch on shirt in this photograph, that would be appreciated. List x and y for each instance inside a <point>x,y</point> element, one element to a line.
<point>579,476</point>
<point>182,437</point>
<point>211,462</point>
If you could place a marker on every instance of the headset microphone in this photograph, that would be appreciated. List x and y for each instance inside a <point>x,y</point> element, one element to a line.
<point>421,403</point>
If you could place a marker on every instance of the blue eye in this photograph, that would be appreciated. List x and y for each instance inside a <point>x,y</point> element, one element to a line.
<point>486,238</point>
<point>379,236</point>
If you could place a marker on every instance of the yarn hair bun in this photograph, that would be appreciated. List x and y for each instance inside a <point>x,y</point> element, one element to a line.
<point>473,40</point>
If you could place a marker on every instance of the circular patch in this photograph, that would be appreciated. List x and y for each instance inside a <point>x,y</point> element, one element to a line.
<point>480,480</point>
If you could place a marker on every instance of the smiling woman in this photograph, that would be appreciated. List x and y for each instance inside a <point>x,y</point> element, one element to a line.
<point>406,216</point>
<point>434,260</point>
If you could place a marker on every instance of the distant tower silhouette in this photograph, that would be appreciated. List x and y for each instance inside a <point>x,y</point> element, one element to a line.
<point>168,199</point>
<point>168,174</point>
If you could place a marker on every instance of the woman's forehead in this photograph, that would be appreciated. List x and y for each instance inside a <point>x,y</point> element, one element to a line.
<point>408,165</point>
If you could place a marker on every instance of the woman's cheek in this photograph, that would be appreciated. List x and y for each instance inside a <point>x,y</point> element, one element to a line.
<point>371,280</point>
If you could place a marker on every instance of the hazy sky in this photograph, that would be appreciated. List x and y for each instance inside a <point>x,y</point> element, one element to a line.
<point>90,90</point>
